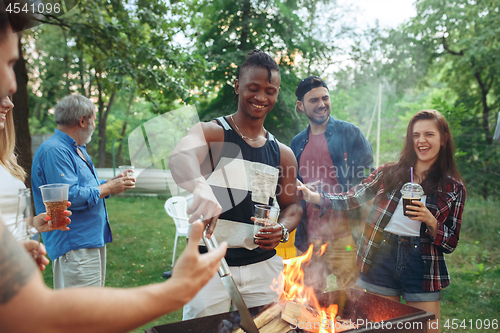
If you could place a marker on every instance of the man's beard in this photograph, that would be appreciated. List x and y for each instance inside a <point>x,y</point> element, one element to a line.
<point>86,134</point>
<point>318,121</point>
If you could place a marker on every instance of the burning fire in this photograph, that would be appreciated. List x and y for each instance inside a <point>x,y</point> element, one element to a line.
<point>294,290</point>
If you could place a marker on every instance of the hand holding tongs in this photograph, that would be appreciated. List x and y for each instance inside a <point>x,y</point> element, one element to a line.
<point>246,322</point>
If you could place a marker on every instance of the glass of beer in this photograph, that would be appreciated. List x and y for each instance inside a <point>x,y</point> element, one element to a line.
<point>411,192</point>
<point>55,198</point>
<point>265,216</point>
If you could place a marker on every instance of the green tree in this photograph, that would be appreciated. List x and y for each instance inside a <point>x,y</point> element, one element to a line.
<point>112,46</point>
<point>465,36</point>
<point>226,31</point>
<point>457,41</point>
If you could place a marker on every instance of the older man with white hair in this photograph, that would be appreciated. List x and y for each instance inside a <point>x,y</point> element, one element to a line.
<point>79,255</point>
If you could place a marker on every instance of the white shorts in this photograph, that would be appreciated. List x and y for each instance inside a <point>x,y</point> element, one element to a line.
<point>253,281</point>
<point>80,268</point>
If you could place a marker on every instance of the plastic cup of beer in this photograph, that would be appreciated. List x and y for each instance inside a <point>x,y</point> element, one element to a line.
<point>411,192</point>
<point>264,216</point>
<point>55,198</point>
<point>127,170</point>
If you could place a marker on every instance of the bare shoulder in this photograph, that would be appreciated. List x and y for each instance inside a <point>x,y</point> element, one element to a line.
<point>199,135</point>
<point>16,266</point>
<point>213,131</point>
<point>287,157</point>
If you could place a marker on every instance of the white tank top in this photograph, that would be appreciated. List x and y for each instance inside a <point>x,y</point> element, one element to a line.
<point>9,190</point>
<point>402,225</point>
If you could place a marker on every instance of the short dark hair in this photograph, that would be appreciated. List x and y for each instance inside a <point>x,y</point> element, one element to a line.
<point>17,21</point>
<point>260,59</point>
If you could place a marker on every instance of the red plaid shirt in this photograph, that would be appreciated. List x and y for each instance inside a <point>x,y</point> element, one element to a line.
<point>446,205</point>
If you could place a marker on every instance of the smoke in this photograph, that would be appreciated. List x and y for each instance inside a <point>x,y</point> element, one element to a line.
<point>230,324</point>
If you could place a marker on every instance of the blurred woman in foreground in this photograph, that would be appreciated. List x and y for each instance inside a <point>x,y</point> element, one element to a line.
<point>402,255</point>
<point>12,180</point>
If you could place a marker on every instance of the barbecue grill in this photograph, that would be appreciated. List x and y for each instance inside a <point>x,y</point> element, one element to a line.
<point>374,313</point>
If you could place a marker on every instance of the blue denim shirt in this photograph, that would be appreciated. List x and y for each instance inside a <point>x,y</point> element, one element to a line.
<point>57,161</point>
<point>351,154</point>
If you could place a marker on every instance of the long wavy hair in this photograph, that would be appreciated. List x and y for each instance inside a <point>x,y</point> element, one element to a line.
<point>7,146</point>
<point>438,174</point>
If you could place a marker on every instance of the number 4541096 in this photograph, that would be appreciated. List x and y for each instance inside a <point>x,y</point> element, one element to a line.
<point>479,324</point>
<point>33,8</point>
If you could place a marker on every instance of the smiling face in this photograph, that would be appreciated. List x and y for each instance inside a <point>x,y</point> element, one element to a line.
<point>316,105</point>
<point>5,106</point>
<point>426,141</point>
<point>256,95</point>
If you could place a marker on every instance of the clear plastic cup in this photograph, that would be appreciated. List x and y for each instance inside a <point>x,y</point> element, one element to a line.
<point>55,198</point>
<point>264,216</point>
<point>127,170</point>
<point>410,192</point>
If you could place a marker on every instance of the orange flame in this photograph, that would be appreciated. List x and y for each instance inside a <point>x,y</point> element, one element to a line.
<point>328,316</point>
<point>295,290</point>
<point>322,249</point>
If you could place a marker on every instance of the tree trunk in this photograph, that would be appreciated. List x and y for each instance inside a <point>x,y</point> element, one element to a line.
<point>81,64</point>
<point>484,191</point>
<point>486,109</point>
<point>486,127</point>
<point>66,63</point>
<point>102,143</point>
<point>90,86</point>
<point>103,118</point>
<point>124,128</point>
<point>21,116</point>
<point>244,25</point>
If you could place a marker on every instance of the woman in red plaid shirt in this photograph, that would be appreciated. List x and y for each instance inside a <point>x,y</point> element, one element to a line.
<point>400,255</point>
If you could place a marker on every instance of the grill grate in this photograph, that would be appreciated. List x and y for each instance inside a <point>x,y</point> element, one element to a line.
<point>375,313</point>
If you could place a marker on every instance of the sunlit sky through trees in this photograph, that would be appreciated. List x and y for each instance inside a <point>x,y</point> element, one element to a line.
<point>389,13</point>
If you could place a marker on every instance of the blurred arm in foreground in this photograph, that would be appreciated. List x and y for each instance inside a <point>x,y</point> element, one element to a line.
<point>26,304</point>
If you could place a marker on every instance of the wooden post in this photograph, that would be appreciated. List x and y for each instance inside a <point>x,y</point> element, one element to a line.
<point>378,125</point>
<point>371,120</point>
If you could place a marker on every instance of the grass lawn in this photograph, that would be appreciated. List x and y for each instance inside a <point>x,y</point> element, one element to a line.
<point>144,238</point>
<point>474,292</point>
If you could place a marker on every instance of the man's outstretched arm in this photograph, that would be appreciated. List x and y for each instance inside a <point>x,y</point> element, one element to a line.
<point>26,304</point>
<point>185,166</point>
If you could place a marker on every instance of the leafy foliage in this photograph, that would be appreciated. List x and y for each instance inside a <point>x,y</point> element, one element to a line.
<point>226,31</point>
<point>114,46</point>
<point>457,42</point>
<point>127,58</point>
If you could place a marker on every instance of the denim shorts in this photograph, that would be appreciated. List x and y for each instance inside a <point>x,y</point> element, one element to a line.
<point>398,269</point>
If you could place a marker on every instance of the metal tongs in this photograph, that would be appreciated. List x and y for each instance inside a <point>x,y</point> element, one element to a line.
<point>246,322</point>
